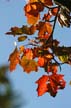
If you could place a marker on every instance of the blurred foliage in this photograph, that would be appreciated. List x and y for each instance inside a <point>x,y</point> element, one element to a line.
<point>8,97</point>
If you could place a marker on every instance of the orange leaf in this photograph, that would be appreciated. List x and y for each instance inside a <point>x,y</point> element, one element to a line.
<point>46,2</point>
<point>28,53</point>
<point>44,27</point>
<point>28,65</point>
<point>31,19</point>
<point>47,16</point>
<point>14,59</point>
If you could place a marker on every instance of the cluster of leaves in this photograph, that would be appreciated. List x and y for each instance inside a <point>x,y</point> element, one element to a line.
<point>43,48</point>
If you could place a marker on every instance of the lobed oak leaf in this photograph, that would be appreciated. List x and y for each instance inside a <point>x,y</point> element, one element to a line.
<point>14,59</point>
<point>28,65</point>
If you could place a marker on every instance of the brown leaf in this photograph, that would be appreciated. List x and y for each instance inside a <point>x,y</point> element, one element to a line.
<point>15,31</point>
<point>44,27</point>
<point>22,38</point>
<point>14,59</point>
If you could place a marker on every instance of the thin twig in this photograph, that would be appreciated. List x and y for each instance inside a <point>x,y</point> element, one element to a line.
<point>47,6</point>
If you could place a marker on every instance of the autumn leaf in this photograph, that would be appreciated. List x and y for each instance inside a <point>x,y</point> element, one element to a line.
<point>28,65</point>
<point>31,19</point>
<point>28,30</point>
<point>41,61</point>
<point>42,85</point>
<point>22,38</point>
<point>54,11</point>
<point>50,84</point>
<point>21,49</point>
<point>32,12</point>
<point>63,58</point>
<point>28,53</point>
<point>47,2</point>
<point>44,27</point>
<point>52,68</point>
<point>47,16</point>
<point>15,31</point>
<point>14,59</point>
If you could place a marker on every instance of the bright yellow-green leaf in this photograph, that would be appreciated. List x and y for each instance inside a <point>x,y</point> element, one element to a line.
<point>63,58</point>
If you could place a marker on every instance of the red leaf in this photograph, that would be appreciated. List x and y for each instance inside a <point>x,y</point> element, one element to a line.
<point>41,61</point>
<point>42,86</point>
<point>54,11</point>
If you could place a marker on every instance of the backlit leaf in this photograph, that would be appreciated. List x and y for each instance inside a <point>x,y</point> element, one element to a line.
<point>42,85</point>
<point>63,58</point>
<point>44,27</point>
<point>31,19</point>
<point>28,65</point>
<point>14,59</point>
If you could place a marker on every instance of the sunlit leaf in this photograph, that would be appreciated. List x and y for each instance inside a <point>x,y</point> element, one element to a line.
<point>42,85</point>
<point>28,53</point>
<point>41,61</point>
<point>31,19</point>
<point>44,27</point>
<point>28,65</point>
<point>14,59</point>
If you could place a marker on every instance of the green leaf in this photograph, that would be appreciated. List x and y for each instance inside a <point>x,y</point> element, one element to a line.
<point>22,38</point>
